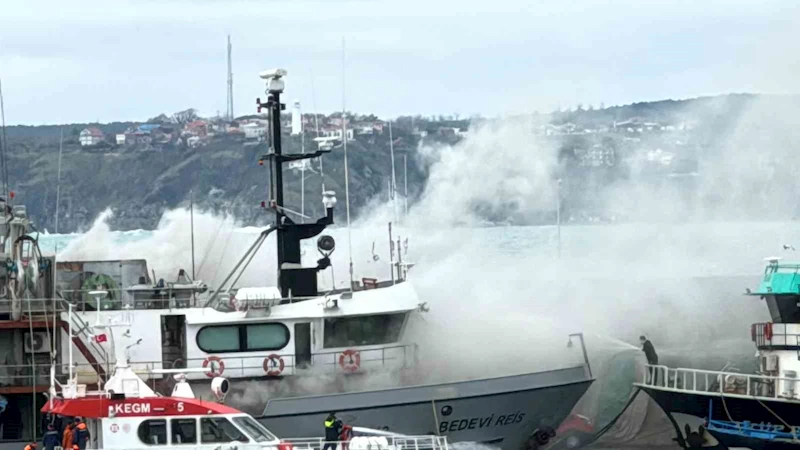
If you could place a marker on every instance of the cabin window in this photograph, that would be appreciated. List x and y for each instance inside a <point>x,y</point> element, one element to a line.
<point>266,336</point>
<point>184,431</point>
<point>153,432</point>
<point>254,429</point>
<point>363,330</point>
<point>218,430</point>
<point>219,339</point>
<point>243,338</point>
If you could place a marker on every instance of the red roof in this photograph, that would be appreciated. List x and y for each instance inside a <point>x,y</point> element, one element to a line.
<point>95,131</point>
<point>99,407</point>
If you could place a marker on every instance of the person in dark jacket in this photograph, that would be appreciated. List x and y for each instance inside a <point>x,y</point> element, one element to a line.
<point>80,436</point>
<point>652,357</point>
<point>51,439</point>
<point>333,428</point>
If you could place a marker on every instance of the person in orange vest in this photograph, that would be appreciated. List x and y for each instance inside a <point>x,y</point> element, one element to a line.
<point>66,439</point>
<point>31,446</point>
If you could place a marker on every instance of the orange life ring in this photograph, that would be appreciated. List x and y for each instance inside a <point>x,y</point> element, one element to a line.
<point>274,371</point>
<point>768,331</point>
<point>208,362</point>
<point>353,363</point>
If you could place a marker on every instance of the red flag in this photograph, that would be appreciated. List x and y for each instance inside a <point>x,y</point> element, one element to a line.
<point>100,338</point>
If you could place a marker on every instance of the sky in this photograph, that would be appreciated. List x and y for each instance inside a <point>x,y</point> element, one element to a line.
<point>88,60</point>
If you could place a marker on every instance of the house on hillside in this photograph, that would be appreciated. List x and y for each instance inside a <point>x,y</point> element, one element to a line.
<point>196,128</point>
<point>121,139</point>
<point>253,130</point>
<point>91,136</point>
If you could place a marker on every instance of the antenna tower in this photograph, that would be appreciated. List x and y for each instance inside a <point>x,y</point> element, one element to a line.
<point>230,82</point>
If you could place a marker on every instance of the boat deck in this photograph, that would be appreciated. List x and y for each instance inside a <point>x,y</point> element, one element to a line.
<point>716,383</point>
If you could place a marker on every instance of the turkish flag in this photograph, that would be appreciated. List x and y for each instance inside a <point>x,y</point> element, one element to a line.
<point>100,338</point>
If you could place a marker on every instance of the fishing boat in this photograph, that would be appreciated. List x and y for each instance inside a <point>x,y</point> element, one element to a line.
<point>296,351</point>
<point>127,414</point>
<point>728,409</point>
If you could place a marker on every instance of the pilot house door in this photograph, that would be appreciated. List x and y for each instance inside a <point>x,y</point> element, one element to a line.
<point>302,345</point>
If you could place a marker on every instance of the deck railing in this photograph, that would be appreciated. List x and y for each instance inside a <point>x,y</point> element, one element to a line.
<point>723,383</point>
<point>357,443</point>
<point>374,443</point>
<point>395,357</point>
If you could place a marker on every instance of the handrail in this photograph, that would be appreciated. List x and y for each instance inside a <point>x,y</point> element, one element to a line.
<point>394,442</point>
<point>16,372</point>
<point>723,383</point>
<point>355,443</point>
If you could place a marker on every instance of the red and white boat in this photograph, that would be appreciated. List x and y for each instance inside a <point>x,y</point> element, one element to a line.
<point>128,414</point>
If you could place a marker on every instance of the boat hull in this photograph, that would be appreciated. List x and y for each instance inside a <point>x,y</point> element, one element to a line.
<point>503,411</point>
<point>692,408</point>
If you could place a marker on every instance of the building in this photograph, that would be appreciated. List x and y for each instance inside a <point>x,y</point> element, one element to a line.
<point>197,128</point>
<point>121,139</point>
<point>91,136</point>
<point>253,130</point>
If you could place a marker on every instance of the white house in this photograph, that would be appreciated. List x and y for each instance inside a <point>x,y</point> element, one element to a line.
<point>121,139</point>
<point>253,130</point>
<point>91,136</point>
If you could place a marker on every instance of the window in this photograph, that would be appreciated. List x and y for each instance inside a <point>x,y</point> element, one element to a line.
<point>218,430</point>
<point>153,432</point>
<point>184,431</point>
<point>254,429</point>
<point>267,336</point>
<point>363,330</point>
<point>243,338</point>
<point>219,339</point>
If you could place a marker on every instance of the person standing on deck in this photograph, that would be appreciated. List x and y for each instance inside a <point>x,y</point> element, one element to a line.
<point>652,357</point>
<point>51,439</point>
<point>67,437</point>
<point>333,428</point>
<point>80,434</point>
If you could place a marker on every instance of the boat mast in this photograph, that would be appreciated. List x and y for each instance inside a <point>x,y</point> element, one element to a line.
<point>191,224</point>
<point>4,146</point>
<point>394,178</point>
<point>293,279</point>
<point>346,177</point>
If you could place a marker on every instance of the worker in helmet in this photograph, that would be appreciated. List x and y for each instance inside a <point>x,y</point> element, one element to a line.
<point>333,427</point>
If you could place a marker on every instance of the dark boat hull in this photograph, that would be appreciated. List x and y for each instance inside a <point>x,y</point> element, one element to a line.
<point>691,408</point>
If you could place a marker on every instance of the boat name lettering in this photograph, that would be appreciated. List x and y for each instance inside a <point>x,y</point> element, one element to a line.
<point>474,423</point>
<point>132,408</point>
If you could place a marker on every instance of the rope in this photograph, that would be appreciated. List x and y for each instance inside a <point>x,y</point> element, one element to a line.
<point>789,427</point>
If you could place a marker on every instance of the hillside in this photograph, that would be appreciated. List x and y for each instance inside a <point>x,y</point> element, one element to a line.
<point>714,153</point>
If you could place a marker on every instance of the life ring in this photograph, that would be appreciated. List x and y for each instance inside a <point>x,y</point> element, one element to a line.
<point>274,371</point>
<point>768,331</point>
<point>220,363</point>
<point>353,361</point>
